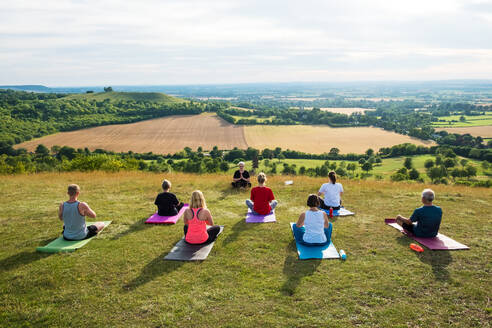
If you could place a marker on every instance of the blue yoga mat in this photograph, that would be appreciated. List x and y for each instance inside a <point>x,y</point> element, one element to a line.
<point>315,252</point>
<point>341,212</point>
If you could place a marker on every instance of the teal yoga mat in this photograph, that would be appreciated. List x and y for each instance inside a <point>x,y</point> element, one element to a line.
<point>62,245</point>
<point>316,252</point>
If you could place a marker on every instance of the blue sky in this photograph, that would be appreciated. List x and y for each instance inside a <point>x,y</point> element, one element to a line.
<point>88,42</point>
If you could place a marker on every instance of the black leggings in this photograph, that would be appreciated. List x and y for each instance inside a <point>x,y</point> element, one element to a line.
<point>213,232</point>
<point>241,183</point>
<point>324,207</point>
<point>408,227</point>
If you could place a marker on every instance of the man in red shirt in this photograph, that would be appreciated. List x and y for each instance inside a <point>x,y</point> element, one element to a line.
<point>262,200</point>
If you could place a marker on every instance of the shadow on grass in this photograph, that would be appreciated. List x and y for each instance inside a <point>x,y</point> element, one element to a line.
<point>296,269</point>
<point>155,268</point>
<point>20,259</point>
<point>439,260</point>
<point>134,227</point>
<point>238,228</point>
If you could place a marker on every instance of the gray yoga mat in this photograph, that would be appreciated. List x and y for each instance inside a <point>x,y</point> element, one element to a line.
<point>183,251</point>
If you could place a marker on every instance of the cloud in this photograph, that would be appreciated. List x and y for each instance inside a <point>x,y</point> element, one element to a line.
<point>61,42</point>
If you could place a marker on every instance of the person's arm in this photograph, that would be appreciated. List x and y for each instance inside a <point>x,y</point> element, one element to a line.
<point>300,221</point>
<point>321,191</point>
<point>187,216</point>
<point>272,197</point>
<point>156,202</point>
<point>60,212</point>
<point>252,196</point>
<point>85,210</point>
<point>327,222</point>
<point>210,220</point>
<point>175,200</point>
<point>247,177</point>
<point>237,176</point>
<point>341,193</point>
<point>404,219</point>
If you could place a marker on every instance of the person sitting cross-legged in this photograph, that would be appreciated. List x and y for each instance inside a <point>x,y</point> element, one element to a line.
<point>262,200</point>
<point>196,219</point>
<point>312,227</point>
<point>241,177</point>
<point>167,202</point>
<point>425,220</point>
<point>73,213</point>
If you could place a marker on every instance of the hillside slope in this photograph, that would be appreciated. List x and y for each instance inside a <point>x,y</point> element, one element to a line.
<point>252,277</point>
<point>136,96</point>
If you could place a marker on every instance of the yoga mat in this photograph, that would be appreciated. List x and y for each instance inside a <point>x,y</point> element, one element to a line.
<point>315,252</point>
<point>440,242</point>
<point>341,212</point>
<point>157,219</point>
<point>183,251</point>
<point>62,245</point>
<point>257,218</point>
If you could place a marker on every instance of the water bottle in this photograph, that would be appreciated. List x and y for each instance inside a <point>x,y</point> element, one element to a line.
<point>343,256</point>
<point>331,212</point>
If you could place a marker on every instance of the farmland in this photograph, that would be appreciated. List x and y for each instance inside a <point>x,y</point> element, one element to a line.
<point>476,131</point>
<point>346,111</point>
<point>125,96</point>
<point>252,277</point>
<point>162,135</point>
<point>453,121</point>
<point>320,139</point>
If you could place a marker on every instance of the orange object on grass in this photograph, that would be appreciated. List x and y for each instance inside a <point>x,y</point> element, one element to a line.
<point>416,248</point>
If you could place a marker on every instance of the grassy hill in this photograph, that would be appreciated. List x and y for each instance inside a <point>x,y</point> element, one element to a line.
<point>252,277</point>
<point>136,96</point>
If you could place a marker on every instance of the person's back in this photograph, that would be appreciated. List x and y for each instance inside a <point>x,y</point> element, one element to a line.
<point>428,219</point>
<point>197,229</point>
<point>74,223</point>
<point>314,224</point>
<point>166,204</point>
<point>261,197</point>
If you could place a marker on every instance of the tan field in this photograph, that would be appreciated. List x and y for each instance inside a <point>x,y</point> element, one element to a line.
<point>476,131</point>
<point>160,136</point>
<point>320,139</point>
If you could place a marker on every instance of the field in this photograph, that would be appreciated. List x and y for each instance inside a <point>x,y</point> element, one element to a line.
<point>136,96</point>
<point>476,131</point>
<point>320,139</point>
<point>172,134</point>
<point>346,111</point>
<point>252,277</point>
<point>480,120</point>
<point>161,136</point>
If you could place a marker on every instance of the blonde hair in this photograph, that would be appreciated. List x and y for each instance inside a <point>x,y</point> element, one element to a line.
<point>73,189</point>
<point>197,200</point>
<point>166,184</point>
<point>261,177</point>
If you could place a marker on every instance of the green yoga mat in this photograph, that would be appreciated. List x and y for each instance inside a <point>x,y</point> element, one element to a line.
<point>62,245</point>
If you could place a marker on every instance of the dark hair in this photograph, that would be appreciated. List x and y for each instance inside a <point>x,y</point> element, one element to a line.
<point>313,201</point>
<point>333,177</point>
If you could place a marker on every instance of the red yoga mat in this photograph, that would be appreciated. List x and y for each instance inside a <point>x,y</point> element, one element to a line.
<point>440,242</point>
<point>157,219</point>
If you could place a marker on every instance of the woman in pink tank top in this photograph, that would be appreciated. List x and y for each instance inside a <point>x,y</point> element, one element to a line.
<point>196,219</point>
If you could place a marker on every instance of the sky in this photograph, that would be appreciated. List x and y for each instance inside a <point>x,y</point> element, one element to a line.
<point>150,42</point>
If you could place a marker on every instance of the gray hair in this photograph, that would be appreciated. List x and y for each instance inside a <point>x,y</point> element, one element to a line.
<point>240,163</point>
<point>428,195</point>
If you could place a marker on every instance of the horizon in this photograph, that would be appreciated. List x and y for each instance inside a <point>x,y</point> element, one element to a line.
<point>83,43</point>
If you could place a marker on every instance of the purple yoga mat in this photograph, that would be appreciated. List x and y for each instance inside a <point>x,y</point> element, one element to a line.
<point>437,243</point>
<point>256,218</point>
<point>157,219</point>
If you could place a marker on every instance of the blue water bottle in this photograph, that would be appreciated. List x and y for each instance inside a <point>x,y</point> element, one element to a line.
<point>343,256</point>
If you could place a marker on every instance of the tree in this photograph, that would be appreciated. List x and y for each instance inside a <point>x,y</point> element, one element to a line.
<point>362,161</point>
<point>429,163</point>
<point>108,89</point>
<point>334,151</point>
<point>434,173</point>
<point>464,161</point>
<point>366,166</point>
<point>449,162</point>
<point>413,174</point>
<point>462,118</point>
<point>369,152</point>
<point>255,162</point>
<point>351,167</point>
<point>471,171</point>
<point>408,163</point>
<point>224,166</point>
<point>42,150</point>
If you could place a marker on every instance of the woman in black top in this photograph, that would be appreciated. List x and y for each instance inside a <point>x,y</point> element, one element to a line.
<point>167,202</point>
<point>241,177</point>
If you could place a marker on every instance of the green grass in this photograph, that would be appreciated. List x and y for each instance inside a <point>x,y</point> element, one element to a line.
<point>479,120</point>
<point>136,96</point>
<point>256,117</point>
<point>252,277</point>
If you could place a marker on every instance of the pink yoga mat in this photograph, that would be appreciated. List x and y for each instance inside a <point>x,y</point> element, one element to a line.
<point>256,218</point>
<point>157,219</point>
<point>439,242</point>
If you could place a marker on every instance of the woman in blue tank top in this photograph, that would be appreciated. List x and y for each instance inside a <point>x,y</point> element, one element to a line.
<point>313,227</point>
